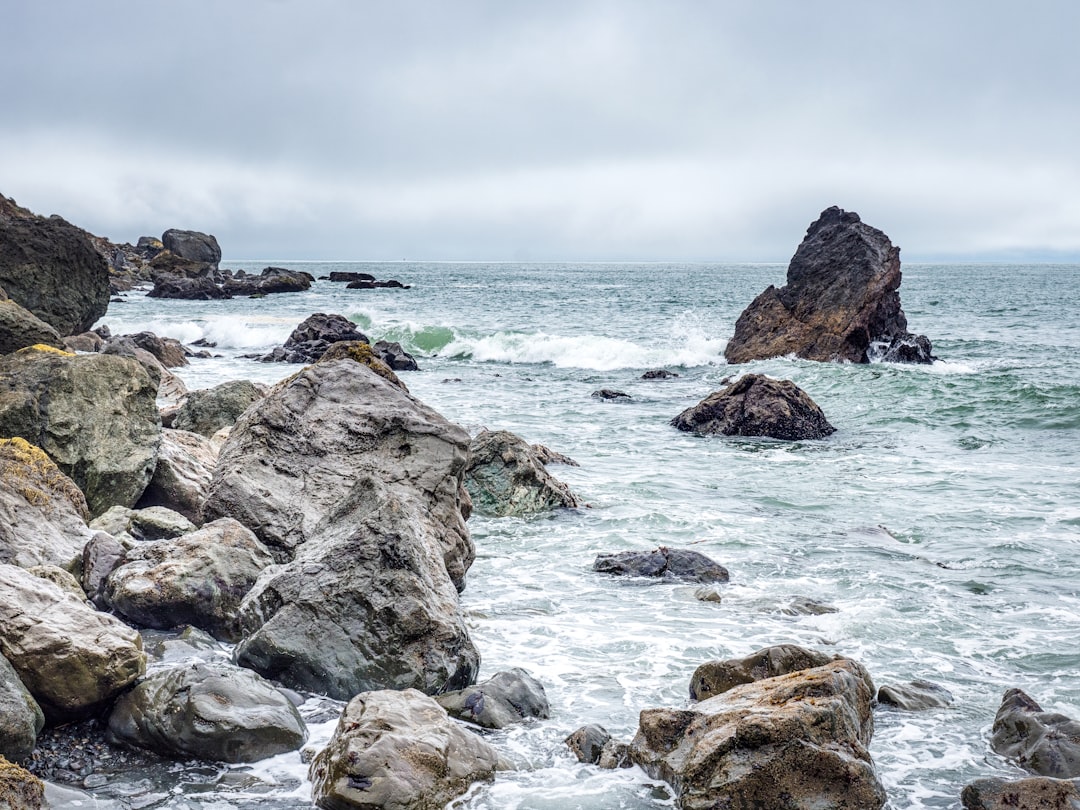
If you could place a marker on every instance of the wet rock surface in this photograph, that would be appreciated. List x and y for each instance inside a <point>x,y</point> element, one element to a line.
<point>1040,742</point>
<point>716,677</point>
<point>502,700</point>
<point>673,564</point>
<point>915,696</point>
<point>1036,793</point>
<point>506,477</point>
<point>310,340</point>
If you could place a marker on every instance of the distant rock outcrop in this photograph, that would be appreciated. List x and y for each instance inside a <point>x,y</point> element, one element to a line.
<point>193,246</point>
<point>840,303</point>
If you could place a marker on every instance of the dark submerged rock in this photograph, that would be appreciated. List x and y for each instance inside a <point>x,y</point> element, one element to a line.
<point>841,298</point>
<point>756,405</point>
<point>1044,743</point>
<point>665,563</point>
<point>502,700</point>
<point>716,677</point>
<point>658,374</point>
<point>611,395</point>
<point>343,276</point>
<point>199,288</point>
<point>1034,793</point>
<point>915,696</point>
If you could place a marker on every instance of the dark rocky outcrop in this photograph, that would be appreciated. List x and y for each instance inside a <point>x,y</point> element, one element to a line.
<point>506,477</point>
<point>398,750</point>
<point>658,374</point>
<point>42,513</point>
<point>391,353</point>
<point>673,564</point>
<point>593,745</point>
<point>1034,793</point>
<point>915,696</point>
<point>364,284</point>
<point>271,280</point>
<point>715,677</point>
<point>73,659</point>
<point>19,328</point>
<point>192,246</point>
<point>208,410</point>
<point>95,415</point>
<point>841,301</point>
<point>756,405</point>
<point>51,268</point>
<point>356,488</point>
<point>1044,743</point>
<point>212,711</point>
<point>502,700</point>
<point>313,337</point>
<point>792,742</point>
<point>198,288</point>
<point>197,579</point>
<point>21,719</point>
<point>546,456</point>
<point>346,276</point>
<point>611,395</point>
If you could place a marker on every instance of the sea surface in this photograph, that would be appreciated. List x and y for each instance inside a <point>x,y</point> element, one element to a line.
<point>941,520</point>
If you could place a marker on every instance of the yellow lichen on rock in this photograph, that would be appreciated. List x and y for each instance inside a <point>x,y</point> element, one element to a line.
<point>363,354</point>
<point>35,475</point>
<point>41,347</point>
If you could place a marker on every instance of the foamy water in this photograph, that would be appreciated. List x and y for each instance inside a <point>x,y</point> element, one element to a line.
<point>940,520</point>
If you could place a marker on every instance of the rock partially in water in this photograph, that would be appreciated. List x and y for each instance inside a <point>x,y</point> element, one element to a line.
<point>197,579</point>
<point>73,659</point>
<point>1034,793</point>
<point>676,564</point>
<point>611,395</point>
<point>659,374</point>
<point>179,286</point>
<point>391,353</point>
<point>593,745</point>
<point>270,280</point>
<point>506,477</point>
<point>756,405</point>
<point>915,696</point>
<point>1044,743</point>
<point>791,742</point>
<point>502,700</point>
<point>310,340</point>
<point>546,456</point>
<point>841,297</point>
<point>398,750</point>
<point>168,351</point>
<point>716,677</point>
<point>210,711</point>
<point>21,719</point>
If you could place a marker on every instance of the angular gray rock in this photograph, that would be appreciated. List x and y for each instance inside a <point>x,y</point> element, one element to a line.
<point>197,579</point>
<point>356,488</point>
<point>715,677</point>
<point>182,475</point>
<point>168,351</point>
<point>192,246</point>
<point>42,513</point>
<point>503,699</point>
<point>21,719</point>
<point>208,410</point>
<point>506,477</point>
<point>756,405</point>
<point>102,554</point>
<point>20,328</point>
<point>841,300</point>
<point>1044,743</point>
<point>398,750</point>
<point>95,415</point>
<point>789,743</point>
<point>1033,793</point>
<point>391,353</point>
<point>915,696</point>
<point>73,659</point>
<point>673,564</point>
<point>211,711</point>
<point>151,523</point>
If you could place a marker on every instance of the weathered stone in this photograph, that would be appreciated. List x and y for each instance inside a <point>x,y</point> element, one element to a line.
<point>391,353</point>
<point>93,414</point>
<point>1044,743</point>
<point>506,477</point>
<point>658,374</point>
<point>192,245</point>
<point>1034,793</point>
<point>345,276</point>
<point>271,280</point>
<point>360,352</point>
<point>213,711</point>
<point>840,299</point>
<point>756,405</point>
<point>198,288</point>
<point>208,410</point>
<point>502,700</point>
<point>587,743</point>
<point>152,523</point>
<point>21,719</point>
<point>20,789</point>
<point>168,351</point>
<point>20,328</point>
<point>51,268</point>
<point>546,456</point>
<point>84,342</point>
<point>185,466</point>
<point>72,658</point>
<point>715,677</point>
<point>313,337</point>
<point>398,750</point>
<point>42,513</point>
<point>678,564</point>
<point>915,696</point>
<point>793,742</point>
<point>198,579</point>
<point>59,577</point>
<point>103,553</point>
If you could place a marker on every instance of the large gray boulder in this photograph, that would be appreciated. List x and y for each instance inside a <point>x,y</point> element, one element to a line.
<point>208,410</point>
<point>1044,743</point>
<point>72,658</point>
<point>756,405</point>
<point>193,246</point>
<point>42,513</point>
<point>51,268</point>
<point>715,677</point>
<point>356,488</point>
<point>182,475</point>
<point>212,711</point>
<point>197,579</point>
<point>507,477</point>
<point>21,719</point>
<point>840,303</point>
<point>95,416</point>
<point>794,742</point>
<point>503,699</point>
<point>19,328</point>
<point>400,751</point>
<point>1033,793</point>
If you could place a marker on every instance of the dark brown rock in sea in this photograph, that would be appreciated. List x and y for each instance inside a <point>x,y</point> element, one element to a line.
<point>1044,743</point>
<point>840,303</point>
<point>1034,793</point>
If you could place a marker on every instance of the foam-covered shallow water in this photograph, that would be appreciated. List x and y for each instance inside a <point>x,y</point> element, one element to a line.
<point>941,520</point>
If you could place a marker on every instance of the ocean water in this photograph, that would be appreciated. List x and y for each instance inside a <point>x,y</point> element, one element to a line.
<point>941,520</point>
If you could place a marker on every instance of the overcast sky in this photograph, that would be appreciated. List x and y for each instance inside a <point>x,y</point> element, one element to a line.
<point>343,129</point>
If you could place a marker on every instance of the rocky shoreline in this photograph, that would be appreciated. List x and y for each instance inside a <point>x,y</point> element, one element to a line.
<point>321,526</point>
